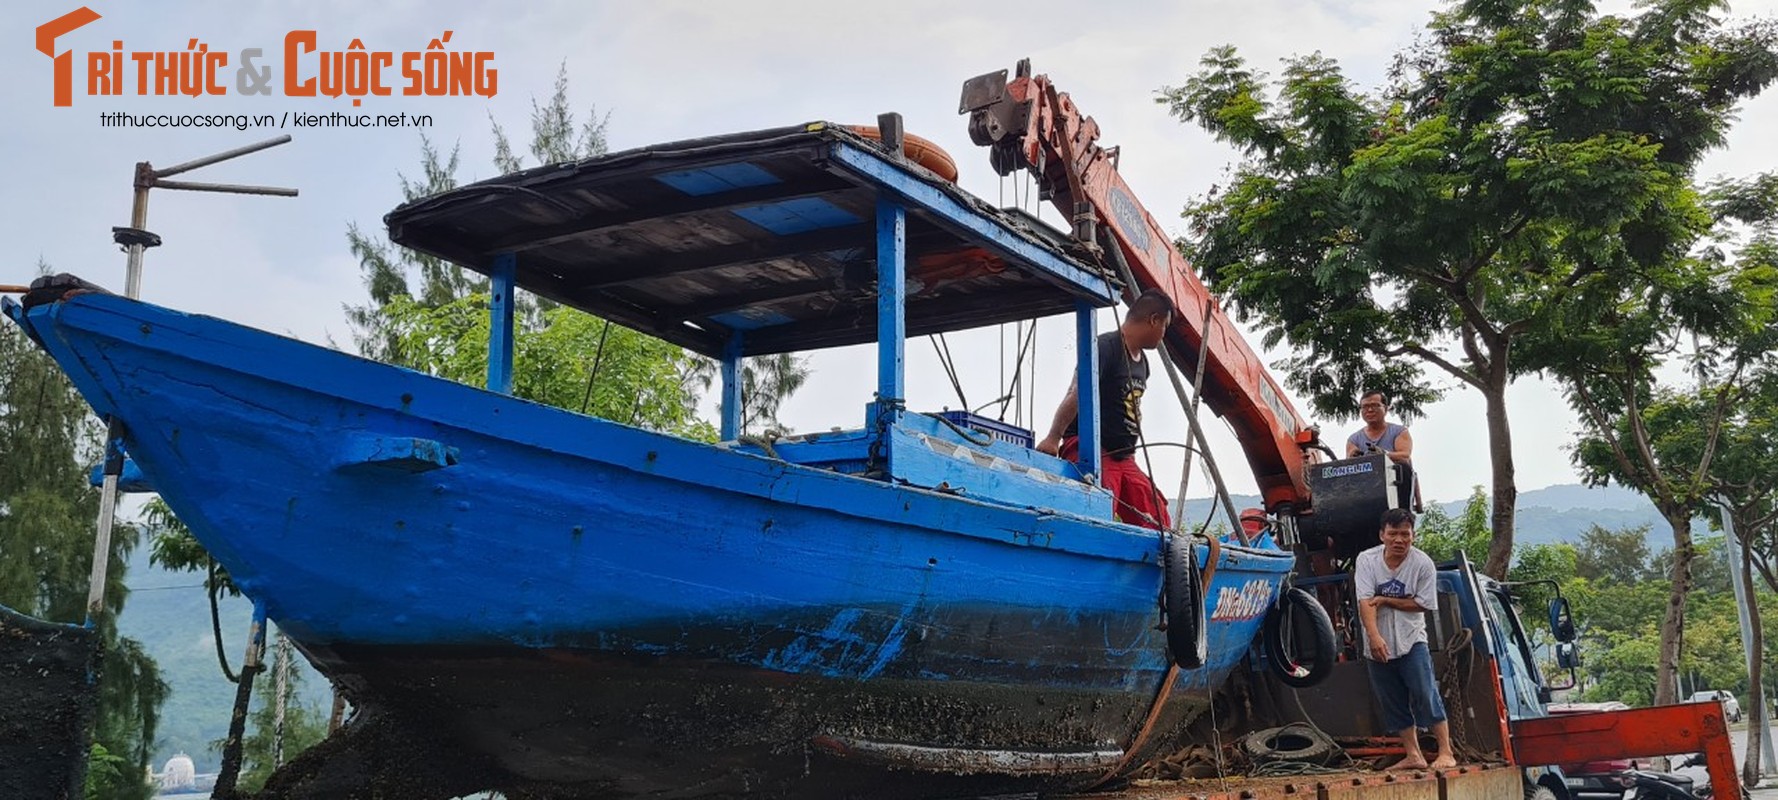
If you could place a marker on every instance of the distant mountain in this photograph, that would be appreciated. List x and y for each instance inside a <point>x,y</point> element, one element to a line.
<point>1559,513</point>
<point>1577,496</point>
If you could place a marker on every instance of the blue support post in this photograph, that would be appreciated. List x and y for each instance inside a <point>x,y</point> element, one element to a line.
<point>731,388</point>
<point>500,283</point>
<point>1087,373</point>
<point>892,324</point>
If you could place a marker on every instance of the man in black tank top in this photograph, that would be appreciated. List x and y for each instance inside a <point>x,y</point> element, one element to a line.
<point>1123,377</point>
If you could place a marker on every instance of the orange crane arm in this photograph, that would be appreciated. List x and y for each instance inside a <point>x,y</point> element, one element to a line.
<point>1029,125</point>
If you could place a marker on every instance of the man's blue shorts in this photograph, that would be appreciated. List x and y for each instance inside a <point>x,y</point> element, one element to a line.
<point>1406,690</point>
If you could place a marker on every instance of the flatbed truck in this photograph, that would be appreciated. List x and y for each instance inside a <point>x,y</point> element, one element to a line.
<point>1328,511</point>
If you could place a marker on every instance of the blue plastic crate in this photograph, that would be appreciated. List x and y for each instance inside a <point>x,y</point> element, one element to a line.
<point>1010,434</point>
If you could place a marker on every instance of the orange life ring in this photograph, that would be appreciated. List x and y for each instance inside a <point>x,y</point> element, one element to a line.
<point>918,150</point>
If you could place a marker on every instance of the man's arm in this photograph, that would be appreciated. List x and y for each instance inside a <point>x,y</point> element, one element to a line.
<point>1400,603</point>
<point>1065,413</point>
<point>1367,614</point>
<point>1404,448</point>
<point>1364,582</point>
<point>1351,449</point>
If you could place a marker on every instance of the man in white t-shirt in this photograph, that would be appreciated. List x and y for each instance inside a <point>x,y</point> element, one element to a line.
<point>1397,584</point>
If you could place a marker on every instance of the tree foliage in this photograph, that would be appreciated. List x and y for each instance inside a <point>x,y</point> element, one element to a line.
<point>416,301</point>
<point>640,380</point>
<point>1444,537</point>
<point>1613,556</point>
<point>1524,152</point>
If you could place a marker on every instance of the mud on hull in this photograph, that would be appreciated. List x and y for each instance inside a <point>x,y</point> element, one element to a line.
<point>570,724</point>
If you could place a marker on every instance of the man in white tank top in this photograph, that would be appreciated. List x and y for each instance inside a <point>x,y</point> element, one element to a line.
<point>1378,433</point>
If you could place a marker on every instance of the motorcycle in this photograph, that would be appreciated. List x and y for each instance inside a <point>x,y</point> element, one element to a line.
<point>1675,785</point>
<point>1646,785</point>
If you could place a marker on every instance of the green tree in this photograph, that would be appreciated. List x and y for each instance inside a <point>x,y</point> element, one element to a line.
<point>1663,442</point>
<point>1660,440</point>
<point>640,378</point>
<point>48,440</point>
<point>1613,556</point>
<point>401,282</point>
<point>1524,150</point>
<point>1543,562</point>
<point>1443,537</point>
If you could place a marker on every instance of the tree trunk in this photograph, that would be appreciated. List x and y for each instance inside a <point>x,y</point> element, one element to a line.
<point>1506,489</point>
<point>1673,621</point>
<point>1756,693</point>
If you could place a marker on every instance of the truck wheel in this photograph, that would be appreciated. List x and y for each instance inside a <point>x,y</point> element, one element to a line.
<point>1186,625</point>
<point>1538,791</point>
<point>1298,615</point>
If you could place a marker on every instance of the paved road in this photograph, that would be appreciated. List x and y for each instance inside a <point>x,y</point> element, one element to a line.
<point>1768,789</point>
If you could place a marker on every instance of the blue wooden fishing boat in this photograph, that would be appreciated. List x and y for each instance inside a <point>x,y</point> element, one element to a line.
<point>523,598</point>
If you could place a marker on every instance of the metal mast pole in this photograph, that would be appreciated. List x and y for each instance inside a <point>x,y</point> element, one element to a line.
<point>136,239</point>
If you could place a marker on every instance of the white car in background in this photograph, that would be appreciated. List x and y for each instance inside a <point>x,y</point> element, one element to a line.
<point>1731,708</point>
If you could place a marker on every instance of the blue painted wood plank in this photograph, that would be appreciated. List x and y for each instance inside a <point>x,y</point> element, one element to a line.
<point>801,215</point>
<point>1086,343</point>
<point>731,388</point>
<point>500,322</point>
<point>718,179</point>
<point>892,326</point>
<point>929,461</point>
<point>973,224</point>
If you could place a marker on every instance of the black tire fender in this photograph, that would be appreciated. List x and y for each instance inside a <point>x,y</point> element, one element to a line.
<point>1294,742</point>
<point>1186,624</point>
<point>1282,655</point>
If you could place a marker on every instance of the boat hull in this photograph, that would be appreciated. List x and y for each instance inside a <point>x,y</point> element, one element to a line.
<point>571,600</point>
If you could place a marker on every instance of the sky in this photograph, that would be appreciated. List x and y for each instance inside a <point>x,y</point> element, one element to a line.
<point>669,70</point>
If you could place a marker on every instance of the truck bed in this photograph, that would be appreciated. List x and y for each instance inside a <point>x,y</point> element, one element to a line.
<point>1486,782</point>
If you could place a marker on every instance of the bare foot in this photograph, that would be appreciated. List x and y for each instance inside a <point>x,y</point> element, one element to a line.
<point>1410,762</point>
<point>1444,762</point>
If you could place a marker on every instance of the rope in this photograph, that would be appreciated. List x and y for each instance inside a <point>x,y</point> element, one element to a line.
<point>281,676</point>
<point>971,436</point>
<point>762,442</point>
<point>216,622</point>
<point>950,367</point>
<point>1455,701</point>
<point>598,357</point>
<point>1222,773</point>
<point>1012,387</point>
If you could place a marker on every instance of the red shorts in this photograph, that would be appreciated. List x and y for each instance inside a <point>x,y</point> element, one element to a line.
<point>1135,498</point>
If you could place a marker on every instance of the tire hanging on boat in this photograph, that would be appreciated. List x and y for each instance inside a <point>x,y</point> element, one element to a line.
<point>1283,655</point>
<point>1186,626</point>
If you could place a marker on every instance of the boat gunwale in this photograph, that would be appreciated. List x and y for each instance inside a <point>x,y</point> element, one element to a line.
<point>478,412</point>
